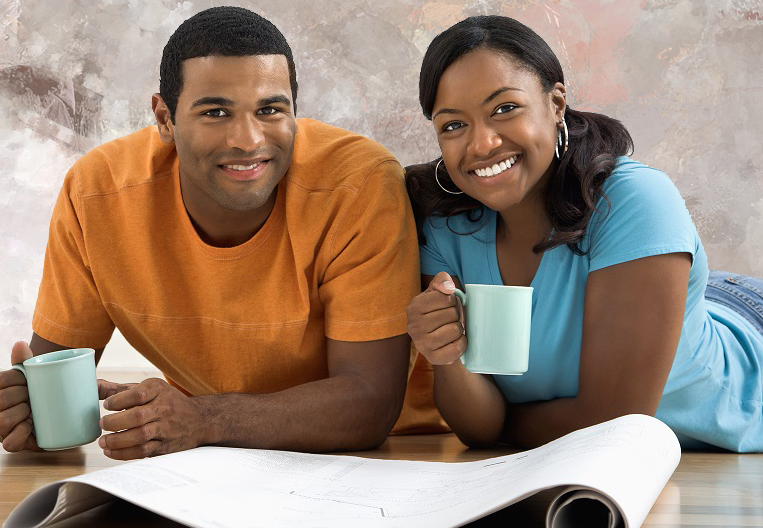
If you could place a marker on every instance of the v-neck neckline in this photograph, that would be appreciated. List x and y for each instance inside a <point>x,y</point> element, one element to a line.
<point>491,247</point>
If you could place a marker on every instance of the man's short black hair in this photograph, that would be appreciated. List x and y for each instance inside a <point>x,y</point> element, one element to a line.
<point>219,31</point>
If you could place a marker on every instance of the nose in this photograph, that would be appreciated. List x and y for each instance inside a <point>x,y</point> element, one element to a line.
<point>245,133</point>
<point>484,140</point>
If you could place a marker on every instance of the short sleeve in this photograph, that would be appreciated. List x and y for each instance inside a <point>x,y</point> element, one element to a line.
<point>374,270</point>
<point>69,309</point>
<point>433,261</point>
<point>644,215</point>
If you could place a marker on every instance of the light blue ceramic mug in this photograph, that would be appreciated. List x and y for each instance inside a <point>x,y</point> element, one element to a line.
<point>497,328</point>
<point>63,395</point>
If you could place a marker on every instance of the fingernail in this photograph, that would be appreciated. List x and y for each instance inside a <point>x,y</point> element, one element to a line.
<point>102,442</point>
<point>449,285</point>
<point>106,404</point>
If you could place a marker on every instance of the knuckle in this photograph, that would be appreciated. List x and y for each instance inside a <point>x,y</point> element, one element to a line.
<point>141,415</point>
<point>6,424</point>
<point>147,449</point>
<point>142,394</point>
<point>455,332</point>
<point>145,433</point>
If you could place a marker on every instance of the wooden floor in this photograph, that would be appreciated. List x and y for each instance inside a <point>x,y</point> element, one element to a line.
<point>707,489</point>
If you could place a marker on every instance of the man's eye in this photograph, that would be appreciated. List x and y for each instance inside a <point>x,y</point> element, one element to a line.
<point>504,109</point>
<point>216,112</point>
<point>268,110</point>
<point>453,125</point>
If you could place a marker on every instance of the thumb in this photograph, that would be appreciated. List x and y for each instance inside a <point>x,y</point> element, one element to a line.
<point>443,283</point>
<point>20,353</point>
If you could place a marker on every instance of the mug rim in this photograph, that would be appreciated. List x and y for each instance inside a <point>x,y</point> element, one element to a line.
<point>501,286</point>
<point>42,360</point>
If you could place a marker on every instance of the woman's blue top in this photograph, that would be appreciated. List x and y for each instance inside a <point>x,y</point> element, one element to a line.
<point>714,393</point>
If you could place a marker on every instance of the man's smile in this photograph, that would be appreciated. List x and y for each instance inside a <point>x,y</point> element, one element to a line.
<point>244,170</point>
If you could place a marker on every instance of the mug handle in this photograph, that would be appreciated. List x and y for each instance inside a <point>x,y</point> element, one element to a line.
<point>20,368</point>
<point>462,296</point>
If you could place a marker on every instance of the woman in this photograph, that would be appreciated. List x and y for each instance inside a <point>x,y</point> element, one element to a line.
<point>529,192</point>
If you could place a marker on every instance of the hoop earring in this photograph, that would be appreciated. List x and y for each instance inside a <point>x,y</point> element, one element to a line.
<point>562,143</point>
<point>436,170</point>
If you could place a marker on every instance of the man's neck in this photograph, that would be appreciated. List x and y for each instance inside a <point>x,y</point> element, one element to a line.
<point>220,227</point>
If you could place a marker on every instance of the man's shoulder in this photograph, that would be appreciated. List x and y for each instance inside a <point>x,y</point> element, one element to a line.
<point>326,157</point>
<point>131,160</point>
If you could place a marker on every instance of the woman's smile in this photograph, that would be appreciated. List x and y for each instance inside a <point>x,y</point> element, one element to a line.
<point>497,168</point>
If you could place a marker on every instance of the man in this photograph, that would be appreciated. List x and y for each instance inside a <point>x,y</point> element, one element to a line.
<point>263,263</point>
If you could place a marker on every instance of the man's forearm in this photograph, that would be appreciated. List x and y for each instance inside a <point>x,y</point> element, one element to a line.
<point>334,414</point>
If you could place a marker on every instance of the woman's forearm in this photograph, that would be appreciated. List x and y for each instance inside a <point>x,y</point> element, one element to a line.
<point>470,403</point>
<point>530,425</point>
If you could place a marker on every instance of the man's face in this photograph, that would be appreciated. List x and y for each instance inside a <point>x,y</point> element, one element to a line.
<point>234,132</point>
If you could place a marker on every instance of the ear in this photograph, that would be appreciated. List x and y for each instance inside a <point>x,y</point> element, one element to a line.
<point>559,101</point>
<point>163,119</point>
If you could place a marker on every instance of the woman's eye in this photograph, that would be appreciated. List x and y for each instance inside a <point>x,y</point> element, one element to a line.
<point>216,112</point>
<point>453,125</point>
<point>504,109</point>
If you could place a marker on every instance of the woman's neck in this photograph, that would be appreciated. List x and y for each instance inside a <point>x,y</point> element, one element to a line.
<point>524,225</point>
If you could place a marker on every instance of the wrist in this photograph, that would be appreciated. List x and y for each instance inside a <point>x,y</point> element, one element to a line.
<point>208,429</point>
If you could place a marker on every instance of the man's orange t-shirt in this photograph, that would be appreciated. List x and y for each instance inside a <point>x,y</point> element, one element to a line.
<point>336,258</point>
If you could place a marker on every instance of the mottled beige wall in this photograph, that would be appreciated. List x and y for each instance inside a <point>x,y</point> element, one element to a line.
<point>684,76</point>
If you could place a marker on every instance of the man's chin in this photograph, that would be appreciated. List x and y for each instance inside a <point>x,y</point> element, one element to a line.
<point>240,204</point>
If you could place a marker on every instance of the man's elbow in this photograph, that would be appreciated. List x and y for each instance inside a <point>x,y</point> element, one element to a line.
<point>377,416</point>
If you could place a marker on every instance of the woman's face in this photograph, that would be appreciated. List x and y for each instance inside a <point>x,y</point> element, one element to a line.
<point>497,127</point>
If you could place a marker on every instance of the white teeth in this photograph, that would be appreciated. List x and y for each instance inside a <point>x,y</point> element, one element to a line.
<point>241,167</point>
<point>496,169</point>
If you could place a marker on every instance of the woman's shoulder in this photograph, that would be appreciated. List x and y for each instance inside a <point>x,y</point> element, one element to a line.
<point>630,175</point>
<point>640,215</point>
<point>634,184</point>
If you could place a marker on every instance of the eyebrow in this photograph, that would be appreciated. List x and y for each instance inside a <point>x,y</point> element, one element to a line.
<point>212,101</point>
<point>489,98</point>
<point>222,101</point>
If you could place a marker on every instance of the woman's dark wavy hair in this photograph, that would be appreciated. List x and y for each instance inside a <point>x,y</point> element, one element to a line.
<point>595,140</point>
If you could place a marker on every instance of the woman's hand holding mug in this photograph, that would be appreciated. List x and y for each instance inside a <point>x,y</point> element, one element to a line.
<point>436,322</point>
